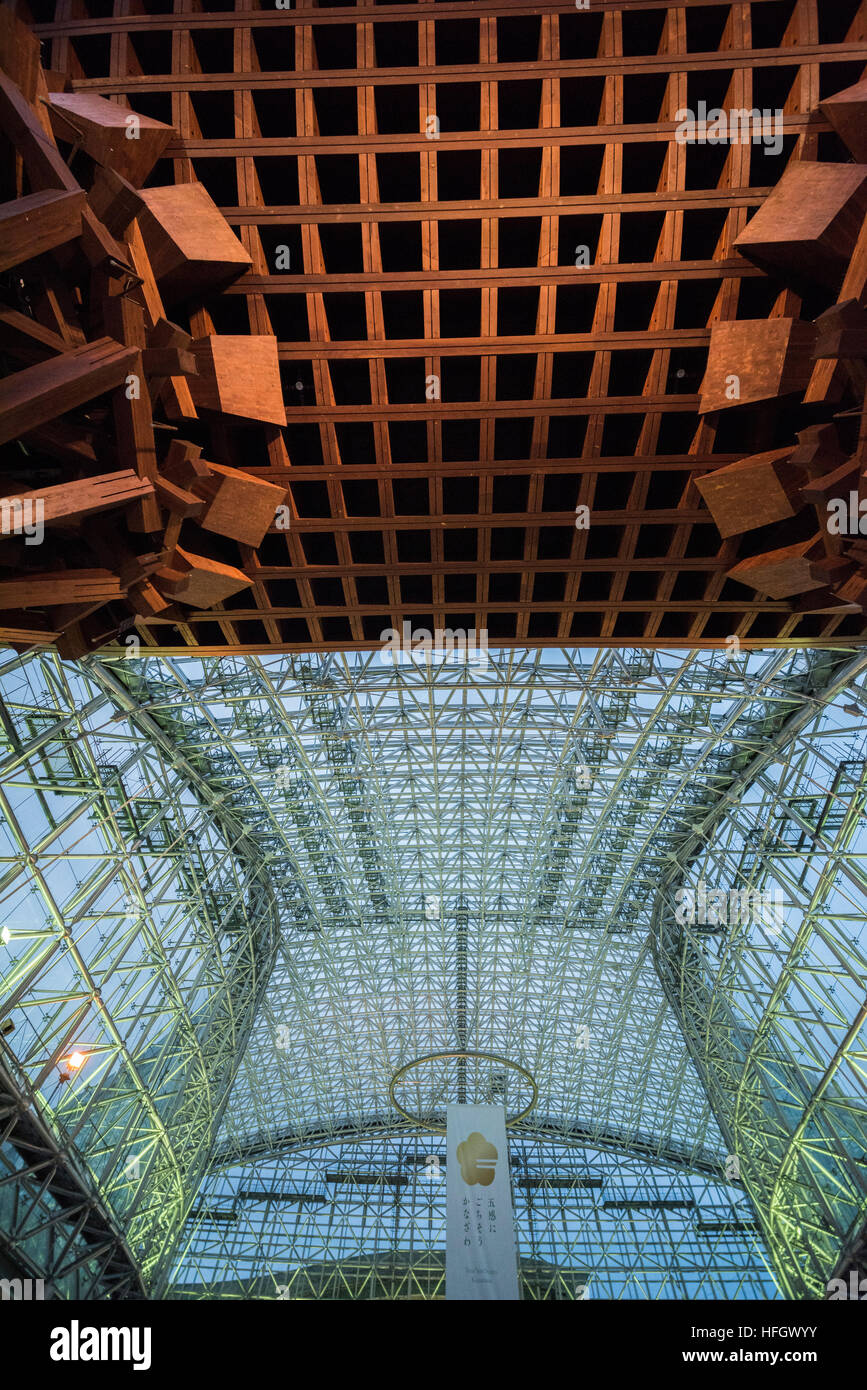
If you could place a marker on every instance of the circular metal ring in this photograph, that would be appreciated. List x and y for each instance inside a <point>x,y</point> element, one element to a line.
<point>439,1056</point>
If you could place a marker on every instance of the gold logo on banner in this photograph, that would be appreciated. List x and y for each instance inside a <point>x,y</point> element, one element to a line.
<point>478,1160</point>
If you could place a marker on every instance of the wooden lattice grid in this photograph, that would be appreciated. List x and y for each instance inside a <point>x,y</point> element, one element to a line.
<point>453,258</point>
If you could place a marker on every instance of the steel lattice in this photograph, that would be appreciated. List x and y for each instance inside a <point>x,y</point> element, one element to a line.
<point>469,855</point>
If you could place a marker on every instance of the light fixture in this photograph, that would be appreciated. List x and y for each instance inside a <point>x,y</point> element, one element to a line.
<point>5,936</point>
<point>72,1063</point>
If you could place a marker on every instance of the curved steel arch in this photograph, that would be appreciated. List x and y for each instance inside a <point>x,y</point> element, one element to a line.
<point>430,767</point>
<point>574,1136</point>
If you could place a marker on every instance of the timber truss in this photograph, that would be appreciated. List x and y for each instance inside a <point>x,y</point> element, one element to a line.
<point>339,865</point>
<point>504,291</point>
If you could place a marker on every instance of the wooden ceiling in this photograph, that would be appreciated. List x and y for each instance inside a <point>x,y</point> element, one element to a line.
<point>413,185</point>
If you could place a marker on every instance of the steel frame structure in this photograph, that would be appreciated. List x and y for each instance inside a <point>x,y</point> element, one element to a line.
<point>363,862</point>
<point>367,1220</point>
<point>775,1012</point>
<point>139,925</point>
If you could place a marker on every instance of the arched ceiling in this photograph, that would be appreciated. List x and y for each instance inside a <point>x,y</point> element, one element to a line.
<point>469,856</point>
<point>249,891</point>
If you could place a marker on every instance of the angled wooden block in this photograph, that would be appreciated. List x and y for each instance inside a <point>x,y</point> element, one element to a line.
<point>808,226</point>
<point>753,492</point>
<point>818,449</point>
<point>112,135</point>
<point>29,226</point>
<point>831,569</point>
<point>168,361</point>
<point>756,360</point>
<point>183,465</point>
<point>165,334</point>
<point>56,81</point>
<point>239,376</point>
<point>177,500</point>
<point>146,599</point>
<point>824,601</point>
<point>47,169</point>
<point>198,581</point>
<point>854,591</point>
<point>783,573</point>
<point>841,331</point>
<point>191,246</point>
<point>238,506</point>
<point>847,112</point>
<point>838,483</point>
<point>134,569</point>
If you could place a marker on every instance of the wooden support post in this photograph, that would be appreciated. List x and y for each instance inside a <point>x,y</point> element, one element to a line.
<point>133,413</point>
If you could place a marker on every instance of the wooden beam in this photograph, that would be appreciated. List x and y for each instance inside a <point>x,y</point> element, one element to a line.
<point>174,390</point>
<point>84,497</point>
<point>51,388</point>
<point>19,52</point>
<point>82,586</point>
<point>26,339</point>
<point>29,226</point>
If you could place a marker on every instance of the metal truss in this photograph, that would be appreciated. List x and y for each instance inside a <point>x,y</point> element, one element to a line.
<point>772,1001</point>
<point>49,1222</point>
<point>138,929</point>
<point>466,854</point>
<point>367,1220</point>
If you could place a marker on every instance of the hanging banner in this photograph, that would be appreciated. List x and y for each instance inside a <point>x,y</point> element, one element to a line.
<point>481,1249</point>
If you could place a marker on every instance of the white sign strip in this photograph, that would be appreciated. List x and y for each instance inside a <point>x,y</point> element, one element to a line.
<point>481,1247</point>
